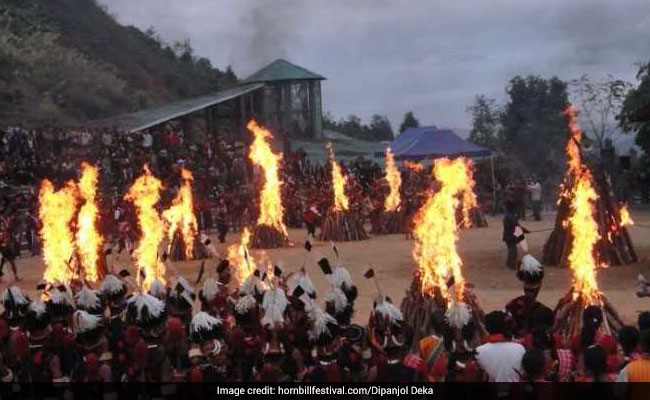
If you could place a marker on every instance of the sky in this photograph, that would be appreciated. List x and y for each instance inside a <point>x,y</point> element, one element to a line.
<point>431,57</point>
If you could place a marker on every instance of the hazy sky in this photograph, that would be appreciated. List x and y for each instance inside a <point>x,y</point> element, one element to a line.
<point>389,57</point>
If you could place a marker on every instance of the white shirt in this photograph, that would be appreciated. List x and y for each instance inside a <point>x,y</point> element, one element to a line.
<point>501,361</point>
<point>535,191</point>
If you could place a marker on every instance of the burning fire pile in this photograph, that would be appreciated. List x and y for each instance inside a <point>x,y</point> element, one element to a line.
<point>240,258</point>
<point>392,219</point>
<point>270,231</point>
<point>340,224</point>
<point>613,246</point>
<point>583,229</point>
<point>145,194</point>
<point>180,220</point>
<point>72,244</point>
<point>438,283</point>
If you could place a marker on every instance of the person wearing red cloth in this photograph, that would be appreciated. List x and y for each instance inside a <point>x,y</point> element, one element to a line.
<point>523,308</point>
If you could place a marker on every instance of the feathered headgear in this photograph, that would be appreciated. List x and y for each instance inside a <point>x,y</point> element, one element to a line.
<point>204,327</point>
<point>386,310</point>
<point>145,310</point>
<point>89,300</point>
<point>87,327</point>
<point>209,291</point>
<point>37,318</point>
<point>321,323</point>
<point>112,286</point>
<point>274,304</point>
<point>245,304</point>
<point>61,302</point>
<point>157,289</point>
<point>341,278</point>
<point>458,315</point>
<point>530,270</point>
<point>301,279</point>
<point>181,297</point>
<point>336,300</point>
<point>15,302</point>
<point>252,285</point>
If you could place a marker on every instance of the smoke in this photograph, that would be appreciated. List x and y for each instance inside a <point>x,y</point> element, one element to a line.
<point>272,29</point>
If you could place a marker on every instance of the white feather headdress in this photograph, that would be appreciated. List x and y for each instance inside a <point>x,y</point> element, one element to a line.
<point>319,321</point>
<point>157,289</point>
<point>458,315</point>
<point>301,279</point>
<point>252,285</point>
<point>38,307</point>
<point>530,265</point>
<point>141,301</point>
<point>210,289</point>
<point>274,304</point>
<point>16,295</point>
<point>87,299</point>
<point>341,277</point>
<point>111,285</point>
<point>336,296</point>
<point>244,304</point>
<point>202,322</point>
<point>62,297</point>
<point>84,321</point>
<point>388,310</point>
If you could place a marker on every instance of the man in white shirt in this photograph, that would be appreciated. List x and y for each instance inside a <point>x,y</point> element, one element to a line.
<point>500,358</point>
<point>535,189</point>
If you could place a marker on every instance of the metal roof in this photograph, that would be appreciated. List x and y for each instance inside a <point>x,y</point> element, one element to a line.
<point>343,149</point>
<point>144,119</point>
<point>282,70</point>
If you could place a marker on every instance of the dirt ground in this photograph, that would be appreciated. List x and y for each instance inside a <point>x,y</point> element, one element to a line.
<point>481,249</point>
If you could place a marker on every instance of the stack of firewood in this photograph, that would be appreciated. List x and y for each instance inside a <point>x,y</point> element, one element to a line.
<point>268,237</point>
<point>391,222</point>
<point>569,310</point>
<point>614,247</point>
<point>177,248</point>
<point>342,226</point>
<point>419,309</point>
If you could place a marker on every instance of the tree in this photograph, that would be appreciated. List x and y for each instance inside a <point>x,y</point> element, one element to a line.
<point>598,102</point>
<point>380,128</point>
<point>485,121</point>
<point>533,127</point>
<point>409,122</point>
<point>635,113</point>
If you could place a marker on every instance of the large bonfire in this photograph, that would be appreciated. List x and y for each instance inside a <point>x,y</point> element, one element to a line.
<point>56,212</point>
<point>392,217</point>
<point>438,283</point>
<point>340,223</point>
<point>180,220</point>
<point>89,241</point>
<point>613,245</point>
<point>579,191</point>
<point>270,231</point>
<point>145,194</point>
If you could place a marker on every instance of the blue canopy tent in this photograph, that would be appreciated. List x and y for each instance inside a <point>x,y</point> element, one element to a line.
<point>429,142</point>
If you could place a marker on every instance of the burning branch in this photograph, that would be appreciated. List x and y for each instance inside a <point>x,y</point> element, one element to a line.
<point>394,179</point>
<point>338,182</point>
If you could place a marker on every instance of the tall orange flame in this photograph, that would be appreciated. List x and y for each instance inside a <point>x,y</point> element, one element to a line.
<point>436,228</point>
<point>56,212</point>
<point>89,241</point>
<point>145,193</point>
<point>394,179</point>
<point>584,229</point>
<point>239,256</point>
<point>339,180</point>
<point>180,215</point>
<point>271,211</point>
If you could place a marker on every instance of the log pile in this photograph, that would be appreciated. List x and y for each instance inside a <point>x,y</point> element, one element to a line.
<point>569,310</point>
<point>268,237</point>
<point>419,310</point>
<point>342,226</point>
<point>177,248</point>
<point>391,222</point>
<point>614,247</point>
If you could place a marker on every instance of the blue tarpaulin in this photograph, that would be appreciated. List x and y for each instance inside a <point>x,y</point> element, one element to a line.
<point>429,142</point>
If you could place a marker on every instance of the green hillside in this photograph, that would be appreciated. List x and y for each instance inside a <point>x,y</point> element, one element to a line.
<point>68,61</point>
